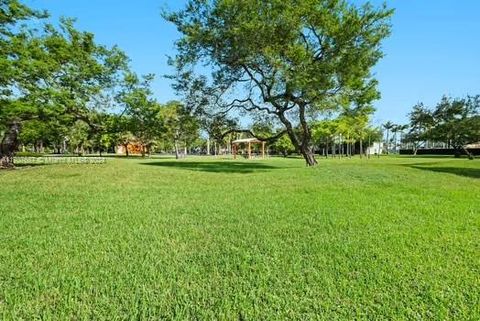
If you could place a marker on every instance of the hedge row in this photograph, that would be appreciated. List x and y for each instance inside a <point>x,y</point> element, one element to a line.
<point>439,151</point>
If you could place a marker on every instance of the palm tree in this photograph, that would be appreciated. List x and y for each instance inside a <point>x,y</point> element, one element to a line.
<point>388,126</point>
<point>401,129</point>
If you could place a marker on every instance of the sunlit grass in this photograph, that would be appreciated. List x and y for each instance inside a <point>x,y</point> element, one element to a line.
<point>205,239</point>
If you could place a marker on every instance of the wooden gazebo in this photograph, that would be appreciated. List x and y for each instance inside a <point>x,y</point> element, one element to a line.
<point>248,142</point>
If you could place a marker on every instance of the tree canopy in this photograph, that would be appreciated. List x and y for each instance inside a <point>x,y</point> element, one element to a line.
<point>51,72</point>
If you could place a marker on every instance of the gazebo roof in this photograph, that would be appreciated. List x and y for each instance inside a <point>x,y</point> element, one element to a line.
<point>246,140</point>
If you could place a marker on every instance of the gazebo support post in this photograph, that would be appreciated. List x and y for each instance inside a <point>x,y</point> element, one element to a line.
<point>263,150</point>
<point>249,150</point>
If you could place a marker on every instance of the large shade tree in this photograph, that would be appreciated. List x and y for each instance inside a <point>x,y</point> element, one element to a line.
<point>288,59</point>
<point>50,72</point>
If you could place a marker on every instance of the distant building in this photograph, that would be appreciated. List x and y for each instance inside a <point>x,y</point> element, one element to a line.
<point>471,146</point>
<point>133,149</point>
<point>375,149</point>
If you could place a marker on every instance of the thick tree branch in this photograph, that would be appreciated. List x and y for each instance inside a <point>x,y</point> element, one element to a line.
<point>270,139</point>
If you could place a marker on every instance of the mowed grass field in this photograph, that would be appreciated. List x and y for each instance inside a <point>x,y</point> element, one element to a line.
<point>211,239</point>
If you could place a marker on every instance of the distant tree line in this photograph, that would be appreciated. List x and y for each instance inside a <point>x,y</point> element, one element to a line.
<point>346,134</point>
<point>453,123</point>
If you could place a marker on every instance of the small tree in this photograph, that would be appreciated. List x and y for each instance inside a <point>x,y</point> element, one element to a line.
<point>372,135</point>
<point>143,110</point>
<point>217,128</point>
<point>178,125</point>
<point>284,145</point>
<point>421,121</point>
<point>324,132</point>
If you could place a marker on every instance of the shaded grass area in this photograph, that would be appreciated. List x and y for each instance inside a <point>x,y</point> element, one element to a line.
<point>205,239</point>
<point>222,166</point>
<point>439,167</point>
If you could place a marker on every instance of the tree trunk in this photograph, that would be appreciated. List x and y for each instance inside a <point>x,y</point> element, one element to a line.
<point>126,149</point>
<point>177,156</point>
<point>304,149</point>
<point>369,147</point>
<point>470,155</point>
<point>9,145</point>
<point>361,148</point>
<point>457,151</point>
<point>303,145</point>
<point>388,143</point>
<point>308,155</point>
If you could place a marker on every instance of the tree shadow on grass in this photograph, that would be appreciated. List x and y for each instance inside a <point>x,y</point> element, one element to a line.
<point>20,166</point>
<point>460,171</point>
<point>216,166</point>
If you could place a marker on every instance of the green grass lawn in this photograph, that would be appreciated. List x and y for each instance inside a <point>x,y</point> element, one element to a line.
<point>207,239</point>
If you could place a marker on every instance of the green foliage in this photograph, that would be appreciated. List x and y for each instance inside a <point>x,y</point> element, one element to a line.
<point>457,121</point>
<point>373,134</point>
<point>12,37</point>
<point>217,125</point>
<point>145,120</point>
<point>204,239</point>
<point>78,136</point>
<point>178,125</point>
<point>350,127</point>
<point>284,145</point>
<point>60,71</point>
<point>421,121</point>
<point>325,130</point>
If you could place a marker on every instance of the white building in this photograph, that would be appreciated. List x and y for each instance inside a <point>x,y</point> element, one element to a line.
<point>376,148</point>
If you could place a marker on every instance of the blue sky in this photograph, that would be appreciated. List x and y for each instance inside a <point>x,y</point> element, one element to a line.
<point>434,48</point>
